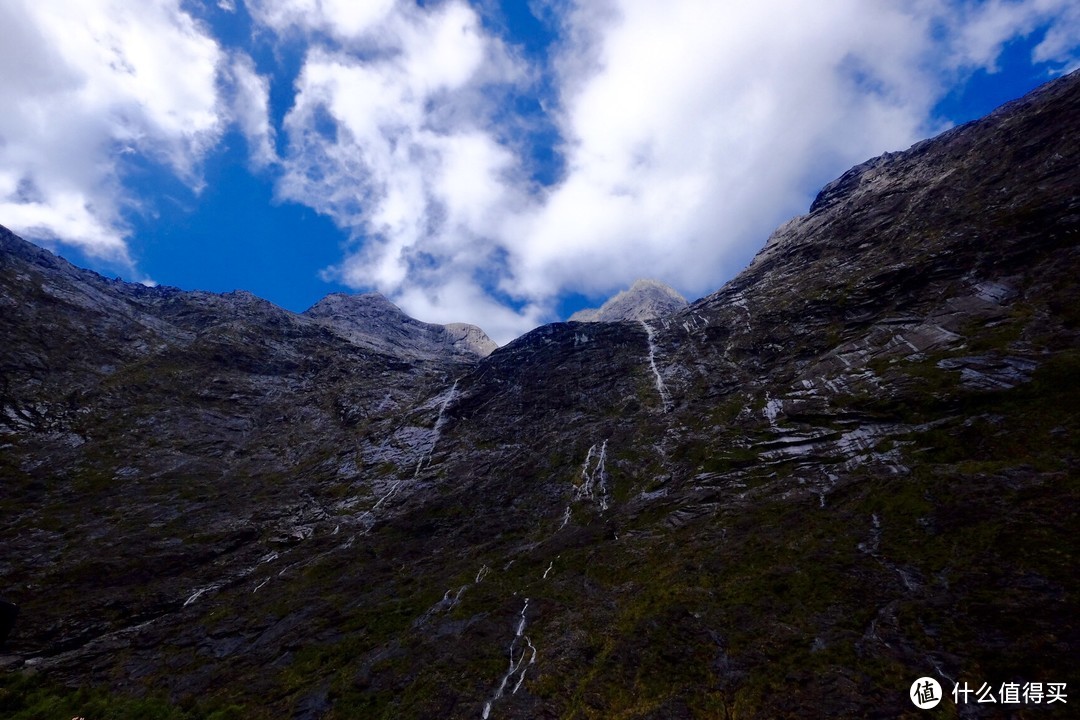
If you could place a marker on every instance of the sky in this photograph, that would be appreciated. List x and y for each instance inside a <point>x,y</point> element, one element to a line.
<point>499,162</point>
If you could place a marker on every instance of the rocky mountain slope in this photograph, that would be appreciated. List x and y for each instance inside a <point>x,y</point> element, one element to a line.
<point>374,322</point>
<point>855,465</point>
<point>644,300</point>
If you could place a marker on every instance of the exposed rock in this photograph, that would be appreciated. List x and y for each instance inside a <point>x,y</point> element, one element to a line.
<point>854,465</point>
<point>470,339</point>
<point>644,300</point>
<point>9,612</point>
<point>372,321</point>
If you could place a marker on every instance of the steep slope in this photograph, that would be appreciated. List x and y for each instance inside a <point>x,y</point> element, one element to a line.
<point>156,443</point>
<point>644,300</point>
<point>853,466</point>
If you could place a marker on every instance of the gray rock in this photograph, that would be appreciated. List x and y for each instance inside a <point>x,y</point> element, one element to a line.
<point>372,321</point>
<point>644,300</point>
<point>207,497</point>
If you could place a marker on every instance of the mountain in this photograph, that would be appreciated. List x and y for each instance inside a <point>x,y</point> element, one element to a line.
<point>374,322</point>
<point>644,300</point>
<point>853,466</point>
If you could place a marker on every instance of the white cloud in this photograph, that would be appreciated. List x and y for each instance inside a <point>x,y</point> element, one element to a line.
<point>983,28</point>
<point>341,18</point>
<point>392,136</point>
<point>83,83</point>
<point>1061,44</point>
<point>443,302</point>
<point>691,128</point>
<point>699,126</point>
<point>251,110</point>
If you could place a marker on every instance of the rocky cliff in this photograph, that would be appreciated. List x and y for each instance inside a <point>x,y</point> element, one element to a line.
<point>855,465</point>
<point>644,300</point>
<point>371,321</point>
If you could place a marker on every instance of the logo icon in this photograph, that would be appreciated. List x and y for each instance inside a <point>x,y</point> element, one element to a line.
<point>925,693</point>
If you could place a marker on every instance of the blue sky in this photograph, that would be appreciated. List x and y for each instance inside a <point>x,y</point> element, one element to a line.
<point>499,162</point>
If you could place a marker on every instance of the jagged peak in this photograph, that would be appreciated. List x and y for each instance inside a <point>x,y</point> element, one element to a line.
<point>643,300</point>
<point>339,301</point>
<point>372,320</point>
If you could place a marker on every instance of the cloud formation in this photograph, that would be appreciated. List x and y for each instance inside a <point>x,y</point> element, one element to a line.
<point>690,129</point>
<point>687,130</point>
<point>250,93</point>
<point>981,29</point>
<point>695,127</point>
<point>394,135</point>
<point>85,83</point>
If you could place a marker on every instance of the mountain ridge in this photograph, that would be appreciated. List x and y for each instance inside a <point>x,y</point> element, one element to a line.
<point>644,300</point>
<point>373,321</point>
<point>854,465</point>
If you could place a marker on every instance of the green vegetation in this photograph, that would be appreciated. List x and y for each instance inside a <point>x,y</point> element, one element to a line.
<point>29,698</point>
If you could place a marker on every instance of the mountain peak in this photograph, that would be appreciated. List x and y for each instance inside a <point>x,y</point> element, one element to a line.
<point>373,321</point>
<point>644,300</point>
<point>213,507</point>
<point>372,304</point>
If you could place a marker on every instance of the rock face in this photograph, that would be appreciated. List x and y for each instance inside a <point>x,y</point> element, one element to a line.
<point>855,465</point>
<point>371,321</point>
<point>644,300</point>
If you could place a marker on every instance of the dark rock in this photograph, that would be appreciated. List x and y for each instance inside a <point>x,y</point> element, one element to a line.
<point>313,706</point>
<point>9,612</point>
<point>852,466</point>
